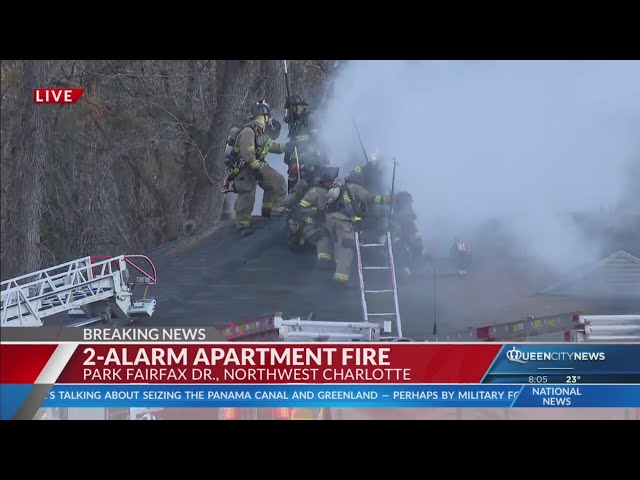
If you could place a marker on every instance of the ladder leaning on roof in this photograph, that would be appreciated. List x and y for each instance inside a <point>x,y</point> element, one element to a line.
<point>100,286</point>
<point>384,288</point>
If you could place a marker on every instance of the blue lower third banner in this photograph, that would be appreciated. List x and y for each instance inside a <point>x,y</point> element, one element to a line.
<point>344,396</point>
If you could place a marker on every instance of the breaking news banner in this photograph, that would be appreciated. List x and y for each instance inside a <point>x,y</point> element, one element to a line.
<point>201,373</point>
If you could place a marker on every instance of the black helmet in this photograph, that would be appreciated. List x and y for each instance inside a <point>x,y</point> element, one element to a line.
<point>296,100</point>
<point>403,198</point>
<point>328,175</point>
<point>260,108</point>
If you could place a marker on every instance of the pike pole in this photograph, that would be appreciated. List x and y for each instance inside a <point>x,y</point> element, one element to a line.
<point>291,113</point>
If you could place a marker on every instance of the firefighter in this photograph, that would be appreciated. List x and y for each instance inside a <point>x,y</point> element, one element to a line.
<point>370,176</point>
<point>304,135</point>
<point>253,145</point>
<point>406,237</point>
<point>306,225</point>
<point>343,212</point>
<point>460,255</point>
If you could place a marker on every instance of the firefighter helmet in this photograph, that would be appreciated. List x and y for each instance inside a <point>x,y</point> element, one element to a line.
<point>328,175</point>
<point>403,198</point>
<point>296,100</point>
<point>260,108</point>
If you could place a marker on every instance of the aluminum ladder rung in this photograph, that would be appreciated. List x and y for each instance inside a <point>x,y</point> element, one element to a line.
<point>612,328</point>
<point>612,338</point>
<point>32,297</point>
<point>382,289</point>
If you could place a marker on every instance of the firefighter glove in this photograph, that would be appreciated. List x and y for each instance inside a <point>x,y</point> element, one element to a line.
<point>274,128</point>
<point>300,187</point>
<point>333,194</point>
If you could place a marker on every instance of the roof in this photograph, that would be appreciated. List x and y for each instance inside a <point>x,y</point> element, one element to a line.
<point>614,277</point>
<point>216,277</point>
<point>219,277</point>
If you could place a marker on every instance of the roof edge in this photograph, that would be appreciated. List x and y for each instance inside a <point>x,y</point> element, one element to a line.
<point>582,272</point>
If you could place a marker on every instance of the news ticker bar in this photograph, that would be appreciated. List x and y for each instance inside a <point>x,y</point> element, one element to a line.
<point>344,396</point>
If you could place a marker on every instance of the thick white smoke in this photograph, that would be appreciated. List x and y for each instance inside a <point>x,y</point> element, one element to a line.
<point>526,142</point>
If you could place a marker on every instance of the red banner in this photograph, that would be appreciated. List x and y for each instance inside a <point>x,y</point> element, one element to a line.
<point>273,363</point>
<point>57,95</point>
<point>23,363</point>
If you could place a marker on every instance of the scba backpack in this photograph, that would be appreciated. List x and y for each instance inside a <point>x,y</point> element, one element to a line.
<point>231,153</point>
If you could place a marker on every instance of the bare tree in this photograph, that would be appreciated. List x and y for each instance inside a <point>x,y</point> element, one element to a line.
<point>275,89</point>
<point>133,164</point>
<point>237,84</point>
<point>27,192</point>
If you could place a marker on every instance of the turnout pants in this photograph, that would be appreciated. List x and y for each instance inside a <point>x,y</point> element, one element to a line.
<point>301,235</point>
<point>343,238</point>
<point>273,185</point>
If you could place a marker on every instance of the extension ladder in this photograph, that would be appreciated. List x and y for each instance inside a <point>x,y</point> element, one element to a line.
<point>102,288</point>
<point>383,287</point>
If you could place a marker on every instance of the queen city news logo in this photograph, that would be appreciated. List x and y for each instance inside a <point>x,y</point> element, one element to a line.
<point>515,355</point>
<point>518,356</point>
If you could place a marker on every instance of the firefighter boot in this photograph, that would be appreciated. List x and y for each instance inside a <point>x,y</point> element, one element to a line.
<point>325,264</point>
<point>277,211</point>
<point>296,243</point>
<point>341,281</point>
<point>245,232</point>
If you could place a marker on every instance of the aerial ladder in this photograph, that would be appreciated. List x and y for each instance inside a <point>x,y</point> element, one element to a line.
<point>97,288</point>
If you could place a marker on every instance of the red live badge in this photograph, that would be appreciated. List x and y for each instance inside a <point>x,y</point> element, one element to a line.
<point>57,95</point>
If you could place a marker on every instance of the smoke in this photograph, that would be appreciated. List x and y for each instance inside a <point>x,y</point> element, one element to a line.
<point>523,143</point>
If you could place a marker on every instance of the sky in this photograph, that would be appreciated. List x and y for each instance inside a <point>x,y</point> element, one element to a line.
<point>523,142</point>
